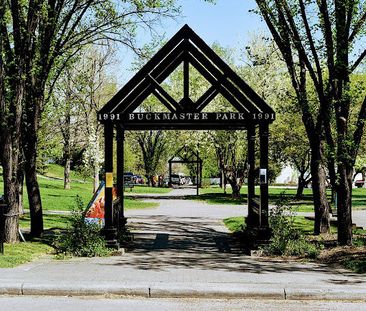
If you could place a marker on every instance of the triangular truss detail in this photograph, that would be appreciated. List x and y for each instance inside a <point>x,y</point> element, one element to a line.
<point>188,48</point>
<point>185,155</point>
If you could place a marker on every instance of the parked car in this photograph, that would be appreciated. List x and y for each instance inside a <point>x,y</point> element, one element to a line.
<point>177,179</point>
<point>128,177</point>
<point>139,179</point>
<point>359,183</point>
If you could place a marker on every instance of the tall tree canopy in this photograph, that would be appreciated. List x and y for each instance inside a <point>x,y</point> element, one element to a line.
<point>317,39</point>
<point>37,38</point>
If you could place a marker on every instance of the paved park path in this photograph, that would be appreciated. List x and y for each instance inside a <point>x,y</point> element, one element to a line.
<point>183,249</point>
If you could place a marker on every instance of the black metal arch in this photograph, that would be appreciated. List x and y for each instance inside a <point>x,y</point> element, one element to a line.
<point>249,112</point>
<point>188,48</point>
<point>187,155</point>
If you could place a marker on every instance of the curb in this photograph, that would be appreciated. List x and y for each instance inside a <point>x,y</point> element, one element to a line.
<point>186,290</point>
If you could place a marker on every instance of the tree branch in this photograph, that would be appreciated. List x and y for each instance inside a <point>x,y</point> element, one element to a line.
<point>328,36</point>
<point>357,27</point>
<point>359,128</point>
<point>311,41</point>
<point>358,61</point>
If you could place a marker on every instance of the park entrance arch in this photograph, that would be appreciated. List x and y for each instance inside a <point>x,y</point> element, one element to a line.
<point>248,112</point>
<point>187,155</point>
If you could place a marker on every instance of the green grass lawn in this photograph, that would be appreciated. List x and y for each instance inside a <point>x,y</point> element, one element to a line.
<point>215,195</point>
<point>54,197</point>
<point>20,253</point>
<point>235,224</point>
<point>146,189</point>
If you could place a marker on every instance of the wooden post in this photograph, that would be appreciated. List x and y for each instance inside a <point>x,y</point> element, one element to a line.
<point>120,177</point>
<point>198,172</point>
<point>264,166</point>
<point>108,160</point>
<point>110,230</point>
<point>201,165</point>
<point>170,174</point>
<point>253,219</point>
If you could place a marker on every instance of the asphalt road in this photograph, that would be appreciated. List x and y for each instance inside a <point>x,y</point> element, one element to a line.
<point>16,303</point>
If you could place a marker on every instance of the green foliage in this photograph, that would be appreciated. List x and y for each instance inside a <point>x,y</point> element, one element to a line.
<point>81,239</point>
<point>357,265</point>
<point>286,239</point>
<point>235,224</point>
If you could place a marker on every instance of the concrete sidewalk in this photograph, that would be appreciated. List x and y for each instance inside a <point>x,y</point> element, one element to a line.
<point>182,249</point>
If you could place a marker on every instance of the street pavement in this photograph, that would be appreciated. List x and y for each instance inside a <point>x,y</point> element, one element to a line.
<point>21,303</point>
<point>182,249</point>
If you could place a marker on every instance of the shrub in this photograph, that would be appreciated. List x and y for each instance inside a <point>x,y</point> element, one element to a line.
<point>286,239</point>
<point>81,239</point>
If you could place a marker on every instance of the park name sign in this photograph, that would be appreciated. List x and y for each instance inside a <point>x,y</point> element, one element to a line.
<point>184,117</point>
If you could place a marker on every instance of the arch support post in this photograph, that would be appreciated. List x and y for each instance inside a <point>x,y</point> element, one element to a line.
<point>110,230</point>
<point>121,220</point>
<point>263,176</point>
<point>252,219</point>
<point>170,174</point>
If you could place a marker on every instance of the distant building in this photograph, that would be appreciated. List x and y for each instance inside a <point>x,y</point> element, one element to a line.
<point>287,176</point>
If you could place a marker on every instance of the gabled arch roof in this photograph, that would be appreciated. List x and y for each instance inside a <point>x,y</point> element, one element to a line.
<point>188,48</point>
<point>185,155</point>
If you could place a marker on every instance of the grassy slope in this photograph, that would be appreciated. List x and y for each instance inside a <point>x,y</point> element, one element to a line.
<point>54,197</point>
<point>57,171</point>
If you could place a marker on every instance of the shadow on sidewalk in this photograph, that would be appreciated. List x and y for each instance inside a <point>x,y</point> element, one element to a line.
<point>163,243</point>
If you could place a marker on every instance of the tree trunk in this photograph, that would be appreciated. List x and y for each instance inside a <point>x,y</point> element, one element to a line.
<point>300,187</point>
<point>236,190</point>
<point>10,124</point>
<point>96,178</point>
<point>30,154</point>
<point>149,180</point>
<point>235,187</point>
<point>344,199</point>
<point>96,164</point>
<point>67,159</point>
<point>321,205</point>
<point>67,150</point>
<point>67,170</point>
<point>11,191</point>
<point>21,187</point>
<point>34,196</point>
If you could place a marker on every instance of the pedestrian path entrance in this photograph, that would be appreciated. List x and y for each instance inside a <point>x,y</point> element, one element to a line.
<point>183,232</point>
<point>245,110</point>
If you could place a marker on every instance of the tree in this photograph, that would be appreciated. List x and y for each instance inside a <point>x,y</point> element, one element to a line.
<point>231,157</point>
<point>81,90</point>
<point>37,39</point>
<point>153,146</point>
<point>318,47</point>
<point>290,145</point>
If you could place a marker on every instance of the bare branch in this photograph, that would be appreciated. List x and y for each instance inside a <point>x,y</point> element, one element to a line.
<point>358,61</point>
